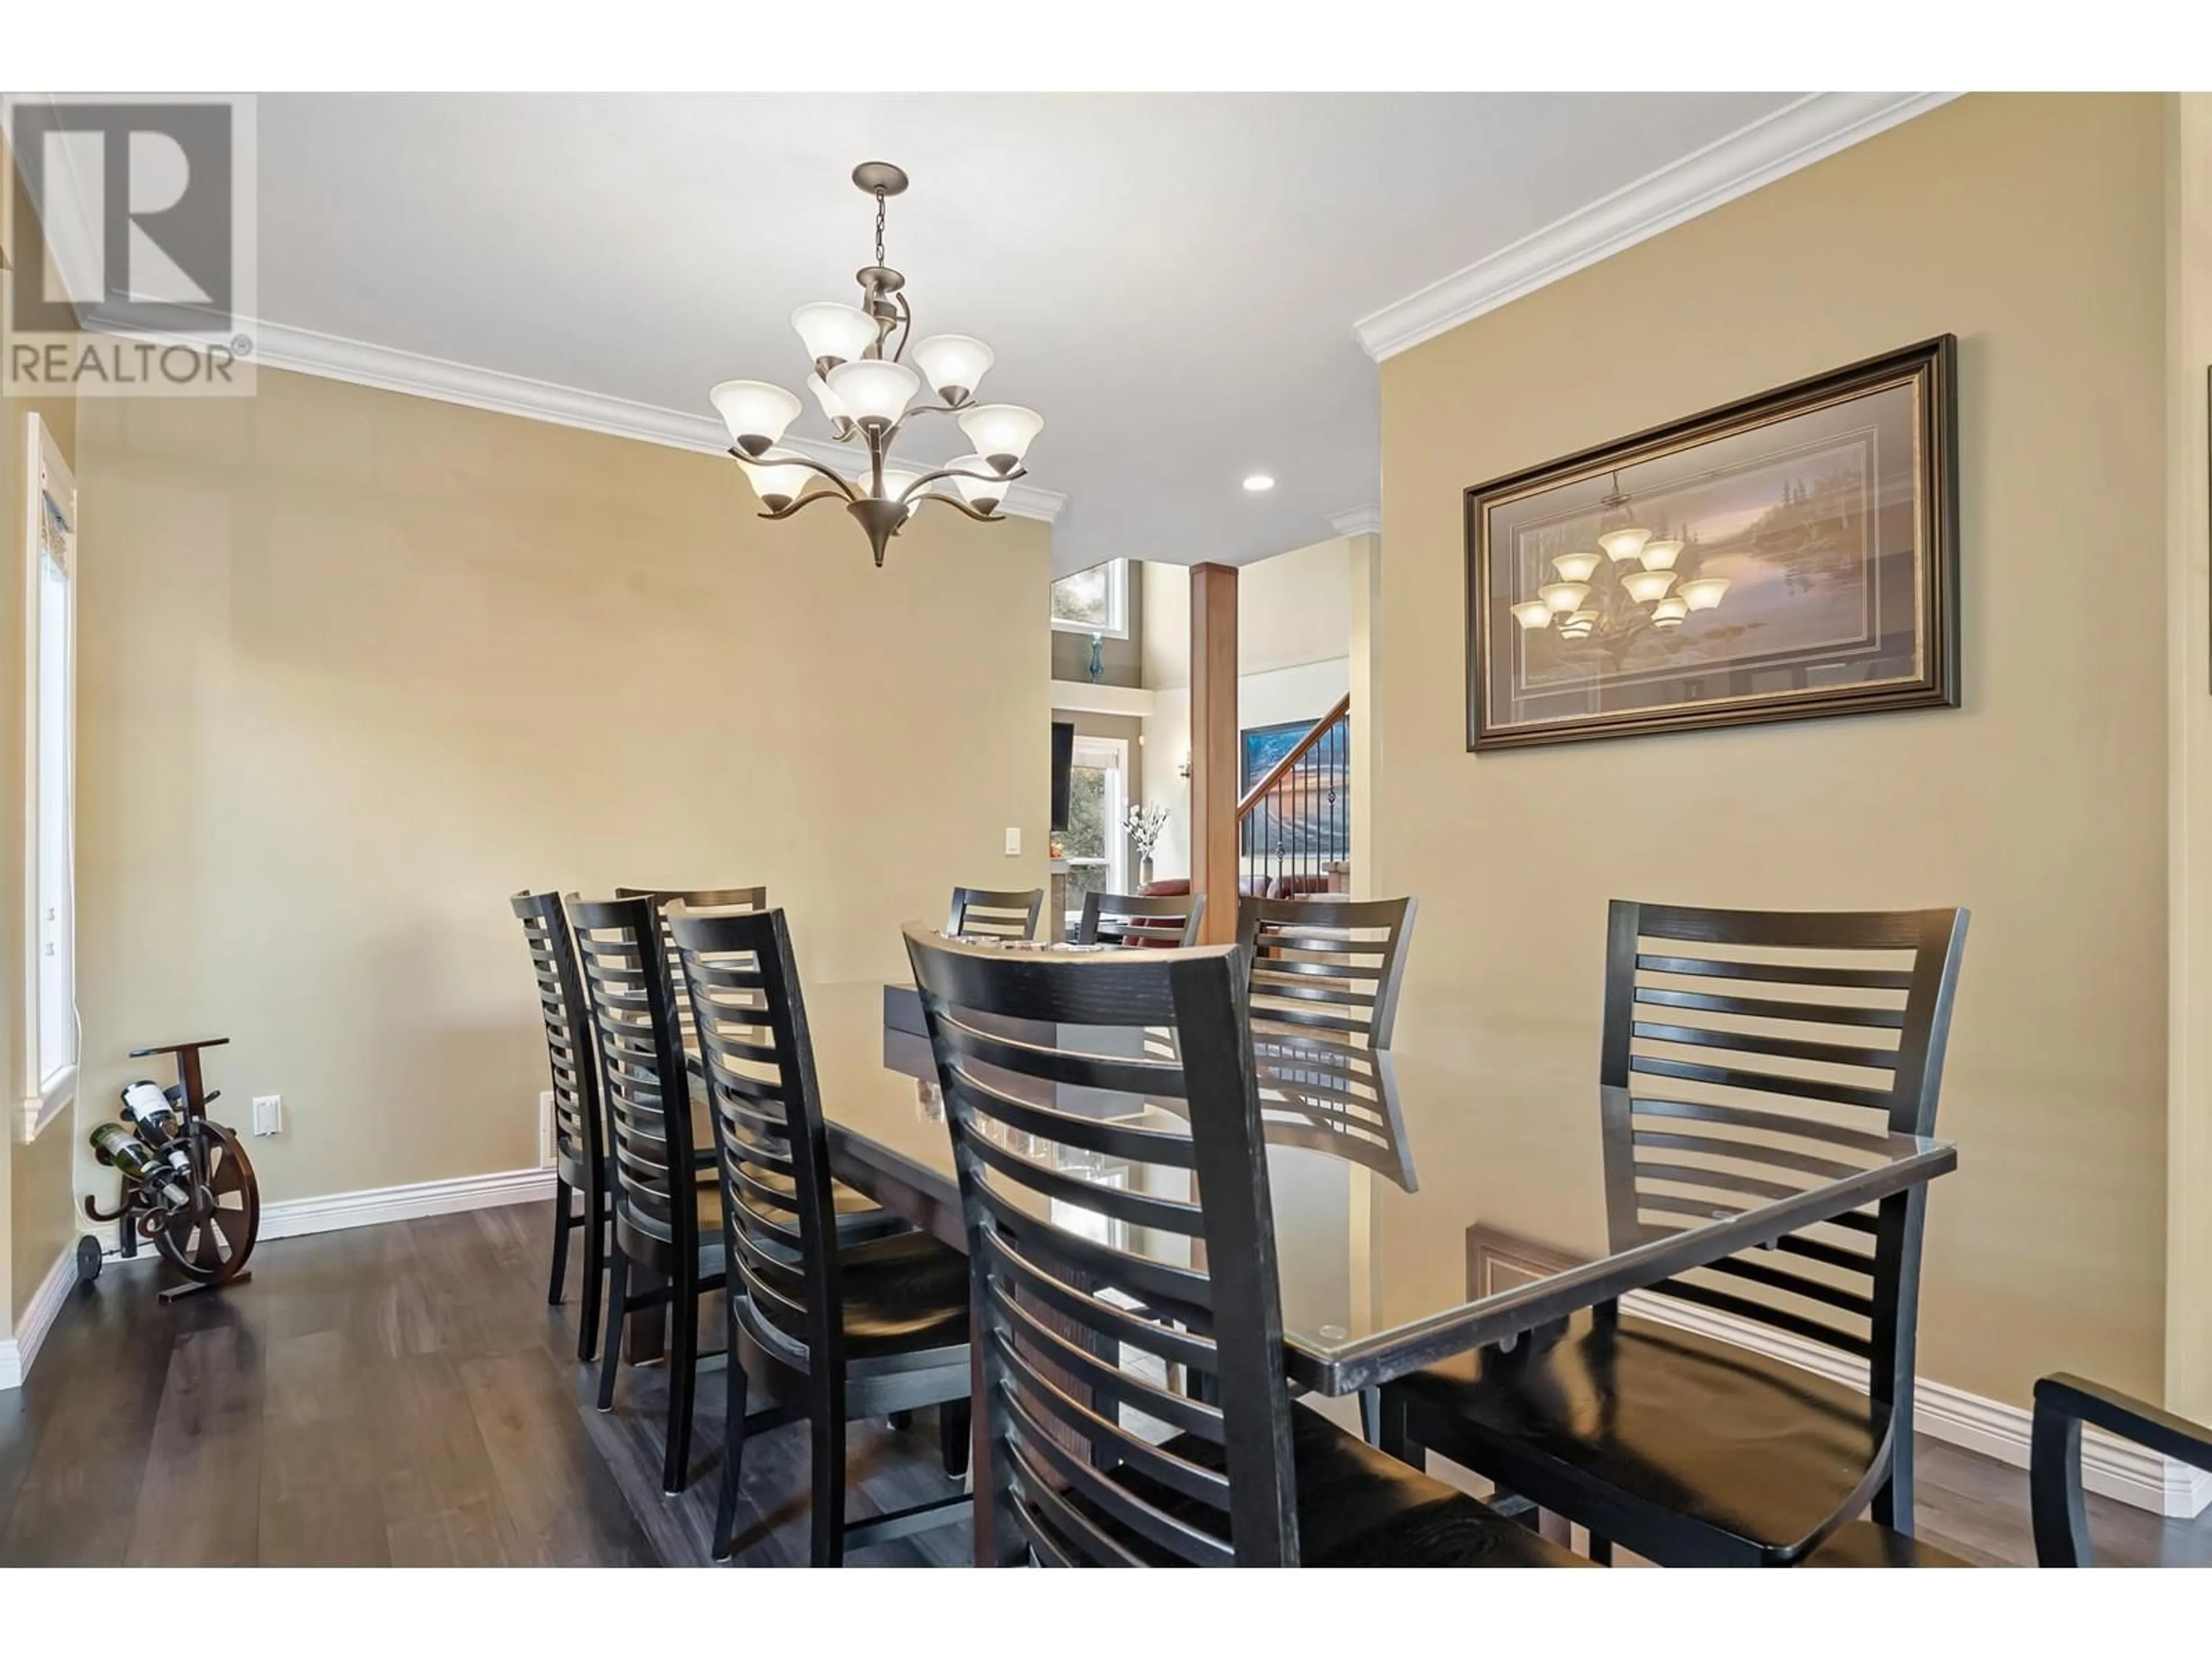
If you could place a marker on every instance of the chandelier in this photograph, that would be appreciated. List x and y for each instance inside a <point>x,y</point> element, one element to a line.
<point>867,391</point>
<point>1639,586</point>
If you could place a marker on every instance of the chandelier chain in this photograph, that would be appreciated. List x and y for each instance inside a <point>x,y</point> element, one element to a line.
<point>880,226</point>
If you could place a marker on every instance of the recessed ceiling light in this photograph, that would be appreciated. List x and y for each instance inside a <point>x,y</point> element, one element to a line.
<point>1258,482</point>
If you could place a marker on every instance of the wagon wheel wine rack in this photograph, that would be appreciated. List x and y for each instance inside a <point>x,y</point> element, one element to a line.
<point>188,1187</point>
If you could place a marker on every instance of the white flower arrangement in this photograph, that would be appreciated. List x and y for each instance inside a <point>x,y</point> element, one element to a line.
<point>1143,825</point>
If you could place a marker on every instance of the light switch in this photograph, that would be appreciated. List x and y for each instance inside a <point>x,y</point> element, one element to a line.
<point>1013,843</point>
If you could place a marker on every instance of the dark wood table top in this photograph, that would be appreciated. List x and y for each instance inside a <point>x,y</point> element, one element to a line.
<point>1471,1207</point>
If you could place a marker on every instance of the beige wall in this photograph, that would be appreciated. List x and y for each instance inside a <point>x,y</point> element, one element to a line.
<point>356,666</point>
<point>36,1205</point>
<point>2032,228</point>
<point>1292,608</point>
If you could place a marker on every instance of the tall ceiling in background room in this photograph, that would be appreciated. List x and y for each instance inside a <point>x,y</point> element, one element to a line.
<point>1176,278</point>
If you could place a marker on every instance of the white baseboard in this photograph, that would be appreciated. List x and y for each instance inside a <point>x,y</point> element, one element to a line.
<point>2117,1468</point>
<point>294,1217</point>
<point>17,1352</point>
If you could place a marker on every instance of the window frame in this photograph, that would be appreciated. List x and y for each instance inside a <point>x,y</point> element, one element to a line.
<point>46,1095</point>
<point>1117,602</point>
<point>1114,807</point>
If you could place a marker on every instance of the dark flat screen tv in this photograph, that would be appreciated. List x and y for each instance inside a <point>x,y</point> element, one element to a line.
<point>1063,757</point>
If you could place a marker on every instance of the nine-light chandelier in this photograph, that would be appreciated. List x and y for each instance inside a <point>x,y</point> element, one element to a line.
<point>1639,588</point>
<point>868,391</point>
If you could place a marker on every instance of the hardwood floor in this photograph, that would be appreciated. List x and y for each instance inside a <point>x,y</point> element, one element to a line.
<point>402,1395</point>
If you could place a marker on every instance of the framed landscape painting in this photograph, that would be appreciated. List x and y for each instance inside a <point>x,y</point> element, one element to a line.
<point>1792,554</point>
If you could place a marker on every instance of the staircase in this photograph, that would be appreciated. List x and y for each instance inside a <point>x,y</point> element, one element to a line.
<point>1294,824</point>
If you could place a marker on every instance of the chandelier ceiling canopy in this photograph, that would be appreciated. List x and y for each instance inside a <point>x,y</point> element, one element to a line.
<point>866,386</point>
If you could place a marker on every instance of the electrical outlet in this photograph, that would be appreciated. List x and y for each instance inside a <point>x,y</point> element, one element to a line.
<point>545,1142</point>
<point>1013,843</point>
<point>268,1114</point>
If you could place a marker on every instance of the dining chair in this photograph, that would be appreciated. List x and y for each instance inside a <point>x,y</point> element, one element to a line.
<point>844,1329</point>
<point>1325,969</point>
<point>704,898</point>
<point>980,913</point>
<point>1136,1408</point>
<point>1324,979</point>
<point>666,1220</point>
<point>2065,1405</point>
<point>1817,1033</point>
<point>856,1214</point>
<point>1132,920</point>
<point>580,1168</point>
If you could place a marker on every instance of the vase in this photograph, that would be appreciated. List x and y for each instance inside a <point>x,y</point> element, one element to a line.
<point>1145,870</point>
<point>1098,657</point>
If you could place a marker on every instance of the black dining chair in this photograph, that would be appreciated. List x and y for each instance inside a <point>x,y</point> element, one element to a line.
<point>1327,969</point>
<point>579,1169</point>
<point>2065,1405</point>
<point>1815,1033</point>
<point>840,1328</point>
<point>979,912</point>
<point>703,898</point>
<point>1137,1411</point>
<point>1130,921</point>
<point>856,1214</point>
<point>666,1220</point>
<point>1324,979</point>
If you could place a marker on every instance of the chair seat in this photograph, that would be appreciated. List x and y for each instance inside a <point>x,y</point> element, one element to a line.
<point>900,1295</point>
<point>1863,1544</point>
<point>1763,1455</point>
<point>1357,1508</point>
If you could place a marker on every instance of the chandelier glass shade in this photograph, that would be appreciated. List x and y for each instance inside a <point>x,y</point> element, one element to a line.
<point>1630,583</point>
<point>867,371</point>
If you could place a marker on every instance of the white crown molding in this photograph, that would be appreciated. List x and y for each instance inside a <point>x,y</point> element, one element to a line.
<point>1359,521</point>
<point>2117,1468</point>
<point>333,357</point>
<point>1796,135</point>
<point>17,1352</point>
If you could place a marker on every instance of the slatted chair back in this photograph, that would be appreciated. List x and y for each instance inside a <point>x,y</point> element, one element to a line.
<point>1087,1341</point>
<point>705,898</point>
<point>642,1074</point>
<point>765,1107</point>
<point>579,1130</point>
<point>1327,969</point>
<point>1128,920</point>
<point>1325,974</point>
<point>1763,1052</point>
<point>981,914</point>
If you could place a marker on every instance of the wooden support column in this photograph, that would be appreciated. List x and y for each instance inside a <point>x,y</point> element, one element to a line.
<point>1215,773</point>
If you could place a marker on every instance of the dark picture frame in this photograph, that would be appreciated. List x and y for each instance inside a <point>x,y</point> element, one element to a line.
<point>1891,562</point>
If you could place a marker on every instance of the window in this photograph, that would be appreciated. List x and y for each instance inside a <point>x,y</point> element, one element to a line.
<point>1094,601</point>
<point>50,741</point>
<point>1098,792</point>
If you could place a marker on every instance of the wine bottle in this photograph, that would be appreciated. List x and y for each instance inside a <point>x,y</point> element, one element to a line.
<point>147,1110</point>
<point>114,1145</point>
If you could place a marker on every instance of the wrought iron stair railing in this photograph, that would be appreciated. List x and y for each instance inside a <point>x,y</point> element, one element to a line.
<point>1294,823</point>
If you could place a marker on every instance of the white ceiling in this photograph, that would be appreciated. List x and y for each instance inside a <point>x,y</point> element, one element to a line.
<point>1172,280</point>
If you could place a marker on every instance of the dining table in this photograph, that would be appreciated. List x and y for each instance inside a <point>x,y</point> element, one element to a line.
<point>1462,1206</point>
